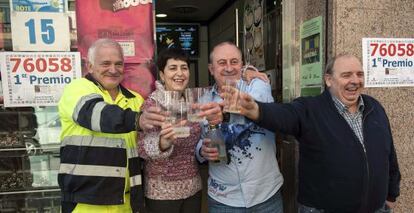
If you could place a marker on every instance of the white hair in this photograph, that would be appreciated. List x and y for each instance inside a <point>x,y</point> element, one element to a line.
<point>100,43</point>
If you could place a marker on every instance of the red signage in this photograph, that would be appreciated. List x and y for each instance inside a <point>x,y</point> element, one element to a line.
<point>130,23</point>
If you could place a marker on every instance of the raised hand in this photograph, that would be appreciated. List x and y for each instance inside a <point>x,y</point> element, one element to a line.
<point>212,112</point>
<point>248,107</point>
<point>208,152</point>
<point>151,117</point>
<point>167,136</point>
<point>251,72</point>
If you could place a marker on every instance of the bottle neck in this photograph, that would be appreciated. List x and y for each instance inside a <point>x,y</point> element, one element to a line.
<point>212,126</point>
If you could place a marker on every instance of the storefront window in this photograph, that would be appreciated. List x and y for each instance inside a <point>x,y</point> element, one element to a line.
<point>29,142</point>
<point>29,159</point>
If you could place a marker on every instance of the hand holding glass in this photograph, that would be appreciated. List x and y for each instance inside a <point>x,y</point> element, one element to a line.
<point>232,89</point>
<point>195,97</point>
<point>176,113</point>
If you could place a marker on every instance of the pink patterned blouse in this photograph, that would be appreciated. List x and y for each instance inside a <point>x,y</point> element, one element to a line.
<point>173,174</point>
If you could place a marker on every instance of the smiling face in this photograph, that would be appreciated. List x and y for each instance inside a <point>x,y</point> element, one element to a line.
<point>175,75</point>
<point>346,81</point>
<point>226,63</point>
<point>108,67</point>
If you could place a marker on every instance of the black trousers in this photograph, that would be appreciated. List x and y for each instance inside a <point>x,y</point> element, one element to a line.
<point>188,205</point>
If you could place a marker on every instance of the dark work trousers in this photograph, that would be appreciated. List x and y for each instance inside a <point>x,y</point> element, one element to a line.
<point>188,205</point>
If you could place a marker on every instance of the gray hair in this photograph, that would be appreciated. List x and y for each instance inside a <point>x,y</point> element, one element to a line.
<point>331,62</point>
<point>100,43</point>
<point>221,44</point>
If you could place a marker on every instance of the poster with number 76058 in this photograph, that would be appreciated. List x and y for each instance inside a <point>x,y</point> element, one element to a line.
<point>37,78</point>
<point>388,62</point>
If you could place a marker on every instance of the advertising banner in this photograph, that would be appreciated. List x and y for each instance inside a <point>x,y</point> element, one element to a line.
<point>37,78</point>
<point>53,6</point>
<point>127,21</point>
<point>139,78</point>
<point>388,62</point>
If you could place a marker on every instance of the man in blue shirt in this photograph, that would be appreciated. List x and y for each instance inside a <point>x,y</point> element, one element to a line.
<point>251,181</point>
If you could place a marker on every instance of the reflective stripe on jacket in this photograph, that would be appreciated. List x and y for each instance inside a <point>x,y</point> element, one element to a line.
<point>98,145</point>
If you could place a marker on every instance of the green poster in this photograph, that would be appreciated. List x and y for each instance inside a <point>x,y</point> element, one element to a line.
<point>311,59</point>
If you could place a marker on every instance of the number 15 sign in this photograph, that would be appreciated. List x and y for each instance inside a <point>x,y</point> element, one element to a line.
<point>40,31</point>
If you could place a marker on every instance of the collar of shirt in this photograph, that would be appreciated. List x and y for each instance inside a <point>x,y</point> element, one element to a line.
<point>215,94</point>
<point>214,90</point>
<point>343,108</point>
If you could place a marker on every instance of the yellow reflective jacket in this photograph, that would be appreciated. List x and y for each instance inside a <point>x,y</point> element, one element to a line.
<point>99,163</point>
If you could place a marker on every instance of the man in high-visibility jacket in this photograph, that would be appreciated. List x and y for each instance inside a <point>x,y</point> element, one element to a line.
<point>100,168</point>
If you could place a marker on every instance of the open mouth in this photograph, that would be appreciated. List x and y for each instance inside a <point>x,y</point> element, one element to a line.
<point>178,80</point>
<point>352,90</point>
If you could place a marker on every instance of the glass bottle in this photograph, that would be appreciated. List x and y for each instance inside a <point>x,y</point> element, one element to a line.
<point>217,140</point>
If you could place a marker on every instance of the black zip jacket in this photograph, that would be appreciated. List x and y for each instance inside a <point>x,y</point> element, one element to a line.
<point>335,173</point>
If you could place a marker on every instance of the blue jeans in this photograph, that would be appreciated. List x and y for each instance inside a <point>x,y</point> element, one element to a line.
<point>307,209</point>
<point>272,205</point>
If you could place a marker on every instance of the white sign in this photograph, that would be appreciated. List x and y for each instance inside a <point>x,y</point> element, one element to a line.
<point>388,62</point>
<point>37,78</point>
<point>40,31</point>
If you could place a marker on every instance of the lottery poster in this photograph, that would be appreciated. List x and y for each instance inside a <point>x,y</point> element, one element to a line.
<point>388,62</point>
<point>37,78</point>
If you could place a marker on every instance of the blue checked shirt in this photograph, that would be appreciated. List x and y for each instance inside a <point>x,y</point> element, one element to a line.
<point>354,120</point>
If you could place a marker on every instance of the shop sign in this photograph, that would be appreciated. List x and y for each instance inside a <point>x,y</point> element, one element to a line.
<point>37,78</point>
<point>388,62</point>
<point>53,6</point>
<point>128,22</point>
<point>131,24</point>
<point>33,31</point>
<point>311,60</point>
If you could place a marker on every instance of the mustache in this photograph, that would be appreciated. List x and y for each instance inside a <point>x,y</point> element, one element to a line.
<point>228,73</point>
<point>355,85</point>
<point>113,74</point>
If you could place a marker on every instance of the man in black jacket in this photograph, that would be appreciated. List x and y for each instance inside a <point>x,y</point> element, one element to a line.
<point>347,158</point>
